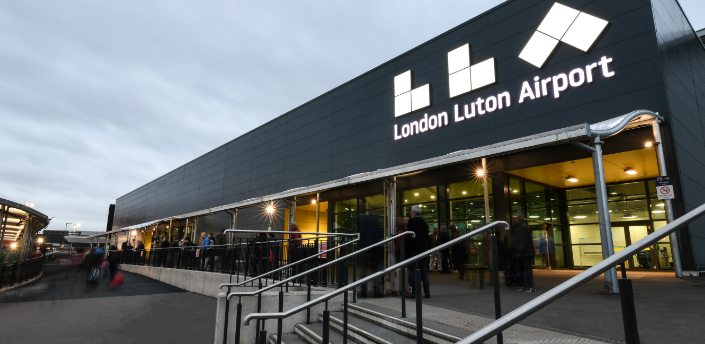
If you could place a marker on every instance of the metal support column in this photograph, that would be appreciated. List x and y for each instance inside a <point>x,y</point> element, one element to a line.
<point>26,238</point>
<point>604,215</point>
<point>660,157</point>
<point>485,192</point>
<point>318,213</point>
<point>292,212</point>
<point>3,225</point>
<point>390,193</point>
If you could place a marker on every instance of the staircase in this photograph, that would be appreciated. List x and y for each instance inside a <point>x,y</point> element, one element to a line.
<point>368,323</point>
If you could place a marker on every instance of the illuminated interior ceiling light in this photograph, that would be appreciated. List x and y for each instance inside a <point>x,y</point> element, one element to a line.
<point>406,200</point>
<point>579,217</point>
<point>475,221</point>
<point>571,179</point>
<point>313,201</point>
<point>547,219</point>
<point>416,194</point>
<point>660,205</point>
<point>433,197</point>
<point>658,211</point>
<point>515,191</point>
<point>648,144</point>
<point>614,193</point>
<point>464,192</point>
<point>533,216</point>
<point>480,173</point>
<point>630,171</point>
<point>628,215</point>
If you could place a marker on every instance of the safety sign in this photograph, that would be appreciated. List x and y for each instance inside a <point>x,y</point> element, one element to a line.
<point>664,188</point>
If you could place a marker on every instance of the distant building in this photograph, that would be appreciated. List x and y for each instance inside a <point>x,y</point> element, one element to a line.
<point>68,238</point>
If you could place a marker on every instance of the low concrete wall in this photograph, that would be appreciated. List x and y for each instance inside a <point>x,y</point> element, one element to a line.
<point>199,282</point>
<point>207,283</point>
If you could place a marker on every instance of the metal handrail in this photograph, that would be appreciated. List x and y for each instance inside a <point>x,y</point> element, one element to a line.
<point>288,232</point>
<point>288,266</point>
<point>546,298</point>
<point>282,282</point>
<point>334,293</point>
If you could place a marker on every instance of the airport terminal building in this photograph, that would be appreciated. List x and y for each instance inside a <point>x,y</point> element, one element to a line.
<point>530,88</point>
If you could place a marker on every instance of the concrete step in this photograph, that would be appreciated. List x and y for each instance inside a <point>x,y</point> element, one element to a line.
<point>361,330</point>
<point>433,332</point>
<point>287,338</point>
<point>311,334</point>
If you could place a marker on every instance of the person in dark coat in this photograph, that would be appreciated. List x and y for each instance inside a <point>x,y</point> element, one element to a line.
<point>416,245</point>
<point>444,237</point>
<point>458,252</point>
<point>521,247</point>
<point>371,228</point>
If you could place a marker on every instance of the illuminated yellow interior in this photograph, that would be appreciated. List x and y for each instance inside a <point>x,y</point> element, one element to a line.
<point>641,160</point>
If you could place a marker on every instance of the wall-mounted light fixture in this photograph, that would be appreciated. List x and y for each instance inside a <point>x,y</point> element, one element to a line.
<point>630,171</point>
<point>571,179</point>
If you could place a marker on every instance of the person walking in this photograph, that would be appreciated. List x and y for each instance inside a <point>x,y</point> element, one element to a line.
<point>458,252</point>
<point>417,245</point>
<point>521,246</point>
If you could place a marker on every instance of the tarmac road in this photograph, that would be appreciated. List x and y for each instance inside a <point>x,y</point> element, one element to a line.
<point>60,308</point>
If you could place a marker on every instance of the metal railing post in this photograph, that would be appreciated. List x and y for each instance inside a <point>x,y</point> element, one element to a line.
<point>326,327</point>
<point>280,320</point>
<point>308,298</point>
<point>238,320</point>
<point>495,282</point>
<point>225,321</point>
<point>419,305</point>
<point>402,285</point>
<point>345,317</point>
<point>14,273</point>
<point>626,298</point>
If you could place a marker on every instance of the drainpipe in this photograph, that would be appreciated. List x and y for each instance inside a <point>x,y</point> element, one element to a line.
<point>675,247</point>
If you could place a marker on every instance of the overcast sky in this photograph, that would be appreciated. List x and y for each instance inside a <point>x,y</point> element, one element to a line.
<point>100,97</point>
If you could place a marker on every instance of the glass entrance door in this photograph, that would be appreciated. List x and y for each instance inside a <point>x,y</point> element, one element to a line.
<point>627,233</point>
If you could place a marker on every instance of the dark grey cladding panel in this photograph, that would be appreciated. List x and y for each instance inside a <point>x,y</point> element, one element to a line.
<point>351,128</point>
<point>684,72</point>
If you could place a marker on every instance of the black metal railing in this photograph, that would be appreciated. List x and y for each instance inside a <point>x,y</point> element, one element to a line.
<point>243,257</point>
<point>631,332</point>
<point>19,271</point>
<point>342,263</point>
<point>407,263</point>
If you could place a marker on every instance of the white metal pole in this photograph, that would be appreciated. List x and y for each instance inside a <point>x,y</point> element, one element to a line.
<point>604,215</point>
<point>660,157</point>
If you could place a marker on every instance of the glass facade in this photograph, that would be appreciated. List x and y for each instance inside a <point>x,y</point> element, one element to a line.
<point>427,198</point>
<point>635,212</point>
<point>542,206</point>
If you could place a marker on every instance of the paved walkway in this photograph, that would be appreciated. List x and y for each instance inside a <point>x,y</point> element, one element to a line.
<point>669,310</point>
<point>59,308</point>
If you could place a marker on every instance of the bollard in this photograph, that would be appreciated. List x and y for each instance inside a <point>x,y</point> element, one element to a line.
<point>626,296</point>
